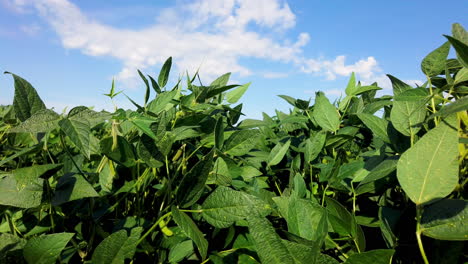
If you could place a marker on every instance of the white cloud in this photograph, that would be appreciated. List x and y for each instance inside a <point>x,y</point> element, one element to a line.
<point>275,75</point>
<point>213,34</point>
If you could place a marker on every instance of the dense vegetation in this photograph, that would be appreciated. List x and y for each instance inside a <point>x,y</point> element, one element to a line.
<point>363,180</point>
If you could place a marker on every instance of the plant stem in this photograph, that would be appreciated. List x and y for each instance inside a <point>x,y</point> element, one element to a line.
<point>153,227</point>
<point>432,99</point>
<point>419,211</point>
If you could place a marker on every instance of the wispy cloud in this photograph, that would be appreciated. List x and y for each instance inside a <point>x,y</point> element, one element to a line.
<point>31,29</point>
<point>213,34</point>
<point>275,75</point>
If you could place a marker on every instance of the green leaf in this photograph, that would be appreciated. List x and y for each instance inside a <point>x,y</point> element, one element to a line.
<point>29,196</point>
<point>191,230</point>
<point>161,102</point>
<point>143,124</point>
<point>363,89</point>
<point>406,115</point>
<point>43,120</point>
<point>301,254</point>
<point>117,247</point>
<point>192,184</point>
<point>398,85</point>
<point>146,84</point>
<point>78,130</point>
<point>389,218</point>
<point>459,33</point>
<point>11,248</point>
<point>417,94</point>
<point>123,154</point>
<point>455,107</point>
<point>225,206</point>
<point>22,152</point>
<point>234,95</point>
<point>46,249</point>
<point>28,175</point>
<point>351,87</point>
<point>241,142</point>
<point>219,133</point>
<point>268,244</point>
<point>92,117</point>
<point>429,170</point>
<point>446,220</point>
<point>26,101</point>
<point>314,146</point>
<point>344,223</point>
<point>462,76</point>
<point>325,114</point>
<point>180,251</point>
<point>434,63</point>
<point>164,73</point>
<point>221,80</point>
<point>72,187</point>
<point>377,125</point>
<point>304,217</point>
<point>377,256</point>
<point>461,49</point>
<point>155,85</point>
<point>277,153</point>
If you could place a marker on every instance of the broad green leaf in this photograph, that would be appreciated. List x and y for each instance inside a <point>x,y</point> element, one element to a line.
<point>161,101</point>
<point>429,170</point>
<point>462,76</point>
<point>123,154</point>
<point>28,175</point>
<point>363,89</point>
<point>219,133</point>
<point>26,101</point>
<point>398,85</point>
<point>351,87</point>
<point>92,117</point>
<point>221,80</point>
<point>117,247</point>
<point>11,248</point>
<point>180,251</point>
<point>288,99</point>
<point>192,184</point>
<point>459,33</point>
<point>446,220</point>
<point>377,125</point>
<point>300,253</point>
<point>241,142</point>
<point>234,95</point>
<point>191,230</point>
<point>72,187</point>
<point>457,106</point>
<point>143,123</point>
<point>215,90</point>
<point>325,114</point>
<point>384,169</point>
<point>304,217</point>
<point>461,49</point>
<point>376,256</point>
<point>107,176</point>
<point>434,63</point>
<point>344,223</point>
<point>269,245</point>
<point>164,73</point>
<point>416,94</point>
<point>225,206</point>
<point>277,153</point>
<point>78,130</point>
<point>46,249</point>
<point>28,197</point>
<point>314,146</point>
<point>43,120</point>
<point>375,106</point>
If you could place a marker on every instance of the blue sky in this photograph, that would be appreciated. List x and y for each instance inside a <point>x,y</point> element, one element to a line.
<point>70,50</point>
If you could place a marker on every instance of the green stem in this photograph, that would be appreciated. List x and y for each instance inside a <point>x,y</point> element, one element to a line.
<point>338,247</point>
<point>419,211</point>
<point>191,211</point>
<point>153,227</point>
<point>432,99</point>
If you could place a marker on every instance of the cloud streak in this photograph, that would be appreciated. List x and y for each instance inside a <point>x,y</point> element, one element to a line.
<point>213,34</point>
